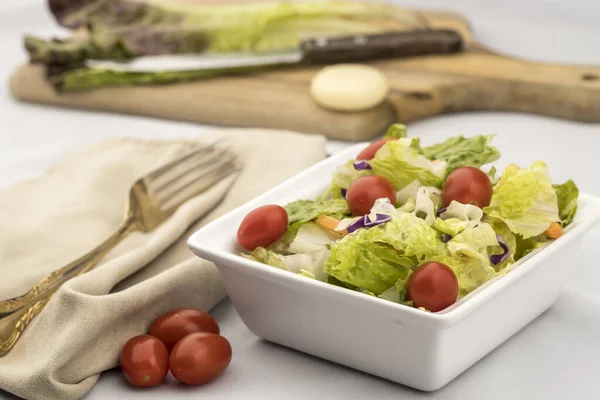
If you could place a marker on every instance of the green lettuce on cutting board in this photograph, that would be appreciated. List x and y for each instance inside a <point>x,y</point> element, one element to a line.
<point>125,29</point>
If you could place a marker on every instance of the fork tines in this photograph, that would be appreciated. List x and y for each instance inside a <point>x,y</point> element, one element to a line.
<point>191,174</point>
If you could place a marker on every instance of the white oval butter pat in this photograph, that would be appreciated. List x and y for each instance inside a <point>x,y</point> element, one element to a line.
<point>349,87</point>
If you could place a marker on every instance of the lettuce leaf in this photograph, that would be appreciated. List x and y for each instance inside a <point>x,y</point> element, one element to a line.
<point>450,226</point>
<point>525,200</point>
<point>510,239</point>
<point>568,195</point>
<point>397,293</point>
<point>457,218</point>
<point>492,174</point>
<point>474,242</point>
<point>345,174</point>
<point>465,212</point>
<point>396,131</point>
<point>370,266</point>
<point>460,151</point>
<point>408,192</point>
<point>333,192</point>
<point>401,164</point>
<point>310,238</point>
<point>306,264</point>
<point>470,272</point>
<point>308,210</point>
<point>526,246</point>
<point>427,202</point>
<point>377,258</point>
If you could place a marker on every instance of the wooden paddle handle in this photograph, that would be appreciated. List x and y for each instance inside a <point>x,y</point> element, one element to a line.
<point>484,81</point>
<point>387,45</point>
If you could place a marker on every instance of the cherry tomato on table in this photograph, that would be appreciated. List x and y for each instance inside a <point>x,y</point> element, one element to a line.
<point>144,361</point>
<point>262,226</point>
<point>467,185</point>
<point>369,152</point>
<point>174,325</point>
<point>199,358</point>
<point>364,191</point>
<point>432,286</point>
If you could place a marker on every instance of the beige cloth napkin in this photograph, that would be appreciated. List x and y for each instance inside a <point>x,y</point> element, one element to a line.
<point>51,220</point>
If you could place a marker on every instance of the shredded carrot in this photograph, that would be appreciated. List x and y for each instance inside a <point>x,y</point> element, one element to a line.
<point>330,223</point>
<point>327,222</point>
<point>554,231</point>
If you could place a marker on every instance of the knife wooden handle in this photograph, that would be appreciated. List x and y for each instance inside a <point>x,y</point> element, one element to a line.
<point>386,45</point>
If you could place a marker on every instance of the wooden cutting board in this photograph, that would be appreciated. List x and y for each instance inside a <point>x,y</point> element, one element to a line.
<point>421,87</point>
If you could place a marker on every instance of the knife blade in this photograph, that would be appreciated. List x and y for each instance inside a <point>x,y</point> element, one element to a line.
<point>312,51</point>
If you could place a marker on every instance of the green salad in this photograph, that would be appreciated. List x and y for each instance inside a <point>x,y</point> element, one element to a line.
<point>419,226</point>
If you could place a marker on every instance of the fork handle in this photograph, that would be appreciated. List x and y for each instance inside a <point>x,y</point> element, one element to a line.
<point>17,313</point>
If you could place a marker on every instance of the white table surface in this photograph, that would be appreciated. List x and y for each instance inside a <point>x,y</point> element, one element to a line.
<point>557,356</point>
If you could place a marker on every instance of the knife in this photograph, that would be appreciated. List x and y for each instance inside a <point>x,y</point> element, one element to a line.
<point>312,51</point>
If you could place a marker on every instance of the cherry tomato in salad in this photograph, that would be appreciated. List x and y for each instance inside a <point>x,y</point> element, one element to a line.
<point>144,361</point>
<point>199,358</point>
<point>433,286</point>
<point>467,185</point>
<point>369,152</point>
<point>262,226</point>
<point>174,325</point>
<point>364,191</point>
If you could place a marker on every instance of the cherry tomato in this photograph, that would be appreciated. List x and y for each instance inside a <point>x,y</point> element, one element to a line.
<point>433,286</point>
<point>174,325</point>
<point>364,191</point>
<point>199,358</point>
<point>262,227</point>
<point>369,152</point>
<point>467,185</point>
<point>144,361</point>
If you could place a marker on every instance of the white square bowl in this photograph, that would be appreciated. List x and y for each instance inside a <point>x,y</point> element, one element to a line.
<point>405,345</point>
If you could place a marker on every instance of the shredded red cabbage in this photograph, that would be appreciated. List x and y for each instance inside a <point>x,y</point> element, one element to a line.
<point>498,258</point>
<point>440,212</point>
<point>365,222</point>
<point>361,165</point>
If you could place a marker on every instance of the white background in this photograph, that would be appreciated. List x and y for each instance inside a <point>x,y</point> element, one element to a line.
<point>555,357</point>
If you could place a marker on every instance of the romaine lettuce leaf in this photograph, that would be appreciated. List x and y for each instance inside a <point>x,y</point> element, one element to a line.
<point>396,131</point>
<point>568,195</point>
<point>344,175</point>
<point>465,212</point>
<point>460,151</point>
<point>510,239</point>
<point>377,258</point>
<point>457,217</point>
<point>427,202</point>
<point>399,163</point>
<point>332,280</point>
<point>308,210</point>
<point>365,265</point>
<point>383,206</point>
<point>470,272</point>
<point>408,192</point>
<point>333,192</point>
<point>526,246</point>
<point>310,238</point>
<point>525,200</point>
<point>450,226</point>
<point>307,264</point>
<point>474,242</point>
<point>283,244</point>
<point>492,174</point>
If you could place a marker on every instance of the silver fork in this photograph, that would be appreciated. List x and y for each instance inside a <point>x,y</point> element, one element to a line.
<point>152,199</point>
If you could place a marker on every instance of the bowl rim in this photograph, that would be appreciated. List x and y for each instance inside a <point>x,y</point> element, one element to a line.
<point>445,318</point>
